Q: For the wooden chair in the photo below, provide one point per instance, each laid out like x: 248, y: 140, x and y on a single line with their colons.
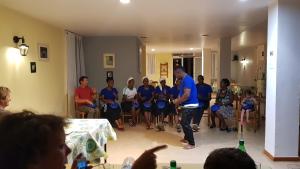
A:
x: 79, y: 114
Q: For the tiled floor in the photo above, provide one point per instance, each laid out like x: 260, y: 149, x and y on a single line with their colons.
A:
x: 134, y: 141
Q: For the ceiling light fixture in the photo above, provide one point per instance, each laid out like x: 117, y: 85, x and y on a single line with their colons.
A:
x: 125, y: 1
x: 153, y: 50
x: 22, y: 47
x: 191, y: 48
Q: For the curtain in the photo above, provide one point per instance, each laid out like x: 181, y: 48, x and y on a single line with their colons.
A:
x: 75, y: 67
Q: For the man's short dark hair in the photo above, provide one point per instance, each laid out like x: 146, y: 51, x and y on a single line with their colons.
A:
x: 109, y: 79
x: 82, y: 79
x: 179, y: 68
x: 229, y: 158
x: 201, y: 76
x: 226, y: 82
x: 25, y: 138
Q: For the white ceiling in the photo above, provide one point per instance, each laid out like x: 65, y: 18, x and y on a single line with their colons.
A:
x: 170, y: 25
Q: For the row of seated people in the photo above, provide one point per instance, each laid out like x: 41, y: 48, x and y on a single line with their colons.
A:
x: 157, y: 102
x: 153, y: 102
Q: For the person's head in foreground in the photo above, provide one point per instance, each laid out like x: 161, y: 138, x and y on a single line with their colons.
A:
x: 229, y: 158
x: 83, y: 81
x: 4, y: 97
x: 179, y: 72
x: 30, y: 141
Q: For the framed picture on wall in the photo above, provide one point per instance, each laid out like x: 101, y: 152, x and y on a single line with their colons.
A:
x: 164, y: 70
x: 43, y: 52
x: 108, y: 60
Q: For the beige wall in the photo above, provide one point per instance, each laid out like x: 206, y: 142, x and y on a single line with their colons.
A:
x: 163, y: 58
x: 44, y: 91
x: 248, y: 75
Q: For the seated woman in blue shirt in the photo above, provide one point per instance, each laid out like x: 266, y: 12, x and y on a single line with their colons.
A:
x: 174, y: 92
x: 146, y: 96
x: 223, y: 108
x: 162, y: 102
x: 112, y: 110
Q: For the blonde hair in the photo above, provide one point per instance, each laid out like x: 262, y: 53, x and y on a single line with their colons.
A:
x: 4, y: 91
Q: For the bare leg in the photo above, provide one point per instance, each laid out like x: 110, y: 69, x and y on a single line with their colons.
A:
x: 242, y: 116
x: 223, y: 123
x: 247, y: 115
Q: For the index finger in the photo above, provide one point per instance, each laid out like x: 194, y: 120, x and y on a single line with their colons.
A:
x: 158, y: 148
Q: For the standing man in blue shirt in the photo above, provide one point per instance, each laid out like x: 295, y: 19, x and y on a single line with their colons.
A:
x: 188, y: 102
x: 204, y: 96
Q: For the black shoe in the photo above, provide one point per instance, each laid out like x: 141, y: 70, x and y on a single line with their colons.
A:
x: 212, y: 126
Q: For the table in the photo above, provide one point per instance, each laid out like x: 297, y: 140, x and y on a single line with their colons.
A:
x: 159, y: 166
x: 89, y: 137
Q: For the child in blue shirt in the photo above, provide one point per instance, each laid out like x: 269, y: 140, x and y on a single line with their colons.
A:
x: 248, y: 105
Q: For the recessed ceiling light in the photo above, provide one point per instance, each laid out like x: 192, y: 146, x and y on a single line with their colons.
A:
x: 125, y: 1
x: 243, y: 0
x: 204, y: 35
x: 153, y: 50
x: 191, y: 48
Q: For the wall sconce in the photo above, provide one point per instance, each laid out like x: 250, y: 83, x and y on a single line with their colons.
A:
x: 22, y: 47
x: 244, y: 61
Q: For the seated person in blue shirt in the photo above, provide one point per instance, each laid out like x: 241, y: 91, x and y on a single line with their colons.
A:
x: 204, y: 96
x: 162, y: 102
x: 146, y: 96
x: 112, y: 110
x: 248, y: 105
x: 174, y: 91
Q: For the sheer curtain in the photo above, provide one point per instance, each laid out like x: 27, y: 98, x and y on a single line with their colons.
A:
x: 75, y: 67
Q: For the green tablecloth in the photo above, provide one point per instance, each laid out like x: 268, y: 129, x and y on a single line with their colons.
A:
x: 88, y: 136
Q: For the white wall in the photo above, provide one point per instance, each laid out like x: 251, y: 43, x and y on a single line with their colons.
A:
x: 283, y: 80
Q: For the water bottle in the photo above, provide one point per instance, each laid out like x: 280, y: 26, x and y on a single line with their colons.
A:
x: 127, y: 163
x: 173, y: 164
x: 242, y: 145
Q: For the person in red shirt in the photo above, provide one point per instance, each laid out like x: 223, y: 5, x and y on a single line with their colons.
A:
x: 85, y: 98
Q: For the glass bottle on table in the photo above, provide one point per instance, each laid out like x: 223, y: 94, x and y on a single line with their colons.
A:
x: 242, y: 145
x: 173, y: 164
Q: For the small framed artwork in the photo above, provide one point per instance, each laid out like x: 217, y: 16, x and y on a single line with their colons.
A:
x: 43, y: 52
x: 108, y: 60
x: 32, y: 67
x: 109, y: 74
x: 164, y: 70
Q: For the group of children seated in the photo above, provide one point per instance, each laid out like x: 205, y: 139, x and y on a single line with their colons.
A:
x: 156, y: 103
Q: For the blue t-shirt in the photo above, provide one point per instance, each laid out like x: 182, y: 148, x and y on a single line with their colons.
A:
x: 146, y: 92
x: 165, y: 91
x: 188, y: 83
x: 174, y: 91
x: 203, y: 90
x: 109, y: 94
